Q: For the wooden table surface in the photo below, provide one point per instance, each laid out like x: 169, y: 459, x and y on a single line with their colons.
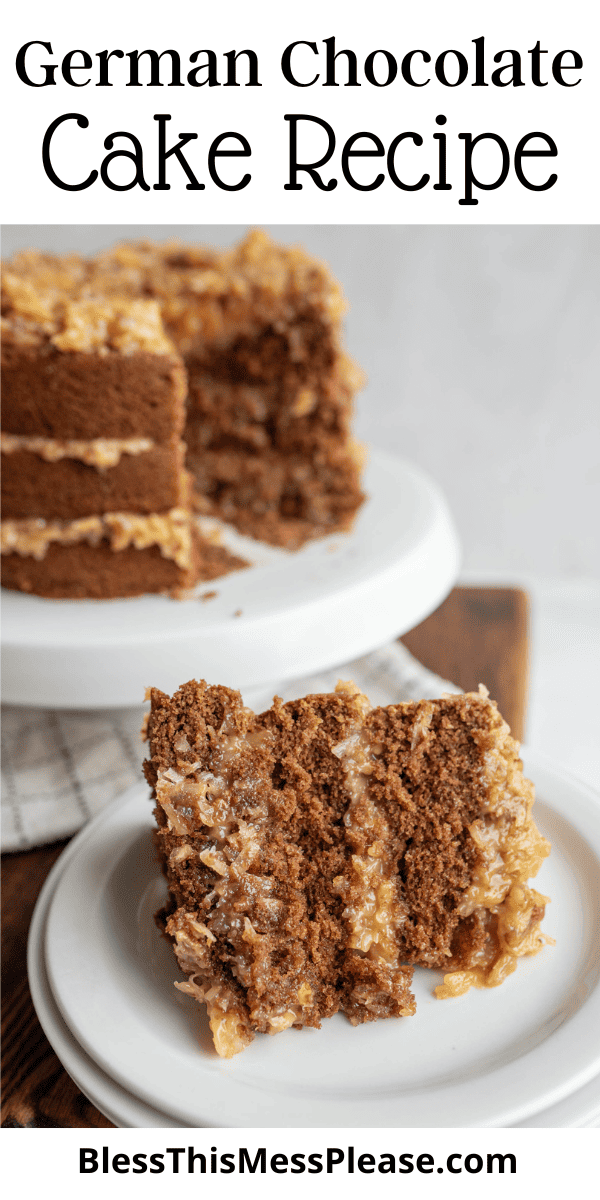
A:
x: 478, y: 635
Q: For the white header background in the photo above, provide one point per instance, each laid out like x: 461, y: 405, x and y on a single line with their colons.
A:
x: 567, y: 114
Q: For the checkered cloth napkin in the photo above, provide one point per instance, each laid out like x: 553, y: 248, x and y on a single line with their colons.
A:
x: 61, y: 768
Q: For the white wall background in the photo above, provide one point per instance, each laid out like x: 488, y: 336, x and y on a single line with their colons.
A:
x: 481, y: 350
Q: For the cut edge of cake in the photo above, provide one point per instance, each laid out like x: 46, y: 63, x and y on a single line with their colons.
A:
x: 272, y: 453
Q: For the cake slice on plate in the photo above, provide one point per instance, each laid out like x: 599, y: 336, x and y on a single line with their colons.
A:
x: 318, y: 852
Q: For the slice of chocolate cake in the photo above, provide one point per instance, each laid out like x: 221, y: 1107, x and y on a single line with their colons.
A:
x: 314, y: 854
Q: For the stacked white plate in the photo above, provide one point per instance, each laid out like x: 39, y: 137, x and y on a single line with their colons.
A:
x: 527, y: 1053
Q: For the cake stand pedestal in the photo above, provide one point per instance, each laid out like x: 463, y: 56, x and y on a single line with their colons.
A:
x: 288, y: 615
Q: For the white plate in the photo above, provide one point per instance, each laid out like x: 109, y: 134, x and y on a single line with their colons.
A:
x: 490, y: 1058
x: 336, y: 599
x: 580, y: 1109
x: 120, y: 1106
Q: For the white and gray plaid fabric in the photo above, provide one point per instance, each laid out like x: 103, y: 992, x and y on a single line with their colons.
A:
x: 59, y: 768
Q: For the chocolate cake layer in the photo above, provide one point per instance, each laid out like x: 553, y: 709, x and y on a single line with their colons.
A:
x: 59, y: 394
x: 145, y: 483
x: 317, y: 852
x: 79, y: 571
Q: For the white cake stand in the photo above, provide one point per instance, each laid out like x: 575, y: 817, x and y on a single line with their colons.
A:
x: 288, y: 615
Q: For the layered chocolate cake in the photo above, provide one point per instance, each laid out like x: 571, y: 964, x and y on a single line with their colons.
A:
x: 114, y: 365
x: 318, y: 852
